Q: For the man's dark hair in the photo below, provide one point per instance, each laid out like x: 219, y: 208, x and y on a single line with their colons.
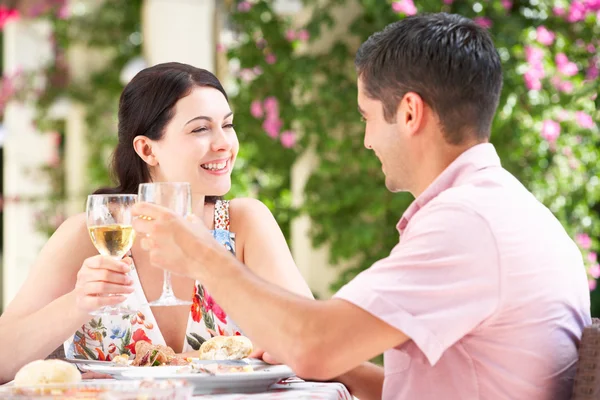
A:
x: 447, y: 59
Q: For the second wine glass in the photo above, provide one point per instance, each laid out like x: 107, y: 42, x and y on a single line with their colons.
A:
x: 176, y: 196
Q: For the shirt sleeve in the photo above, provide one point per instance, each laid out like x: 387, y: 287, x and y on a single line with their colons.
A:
x: 438, y: 284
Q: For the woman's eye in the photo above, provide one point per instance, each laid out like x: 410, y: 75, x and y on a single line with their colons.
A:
x: 199, y: 130
x: 228, y: 126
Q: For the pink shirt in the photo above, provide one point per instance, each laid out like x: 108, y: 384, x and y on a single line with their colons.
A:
x: 488, y: 286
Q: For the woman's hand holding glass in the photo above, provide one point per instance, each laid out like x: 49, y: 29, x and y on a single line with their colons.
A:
x: 109, y: 221
x: 102, y: 282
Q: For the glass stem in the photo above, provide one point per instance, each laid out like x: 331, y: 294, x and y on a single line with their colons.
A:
x: 167, y: 289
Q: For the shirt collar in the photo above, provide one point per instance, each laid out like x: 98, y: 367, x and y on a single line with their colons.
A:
x: 473, y: 159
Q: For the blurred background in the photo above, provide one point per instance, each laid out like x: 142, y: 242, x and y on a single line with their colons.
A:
x: 288, y: 68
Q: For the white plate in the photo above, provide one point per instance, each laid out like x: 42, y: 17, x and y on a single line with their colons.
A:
x: 116, y: 370
x: 239, y: 382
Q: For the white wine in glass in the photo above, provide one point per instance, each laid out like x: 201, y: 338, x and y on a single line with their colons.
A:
x: 176, y: 196
x: 109, y: 224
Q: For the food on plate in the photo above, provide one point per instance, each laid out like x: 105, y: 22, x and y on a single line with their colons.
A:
x: 155, y: 355
x: 44, y: 372
x: 121, y: 359
x: 225, y: 348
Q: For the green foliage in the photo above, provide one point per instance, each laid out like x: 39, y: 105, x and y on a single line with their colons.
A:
x: 345, y: 195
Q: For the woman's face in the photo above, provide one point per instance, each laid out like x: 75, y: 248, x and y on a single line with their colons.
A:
x: 199, y: 144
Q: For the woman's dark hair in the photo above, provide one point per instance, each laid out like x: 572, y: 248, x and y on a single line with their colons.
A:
x: 146, y: 106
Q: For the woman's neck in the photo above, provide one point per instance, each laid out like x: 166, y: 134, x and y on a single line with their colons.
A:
x: 198, y: 204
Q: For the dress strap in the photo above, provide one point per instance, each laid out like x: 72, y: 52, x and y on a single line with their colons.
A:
x: 222, y: 214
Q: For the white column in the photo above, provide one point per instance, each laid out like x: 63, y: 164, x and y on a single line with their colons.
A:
x: 26, y: 47
x: 179, y: 30
x: 76, y: 178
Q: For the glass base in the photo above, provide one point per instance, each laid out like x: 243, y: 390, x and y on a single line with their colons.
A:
x: 113, y: 310
x: 167, y: 300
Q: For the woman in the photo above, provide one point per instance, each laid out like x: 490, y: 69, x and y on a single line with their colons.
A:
x: 175, y: 124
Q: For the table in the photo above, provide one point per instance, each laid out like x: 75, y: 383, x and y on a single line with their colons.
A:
x: 292, y: 389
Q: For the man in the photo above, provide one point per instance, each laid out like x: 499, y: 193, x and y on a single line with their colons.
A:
x: 484, y: 297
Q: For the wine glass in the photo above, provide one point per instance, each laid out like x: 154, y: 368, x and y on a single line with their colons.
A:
x: 177, y: 196
x: 109, y: 224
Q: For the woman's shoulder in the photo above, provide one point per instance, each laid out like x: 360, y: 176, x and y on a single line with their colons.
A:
x: 246, y: 213
x: 245, y: 206
x: 74, y: 231
x: 75, y: 224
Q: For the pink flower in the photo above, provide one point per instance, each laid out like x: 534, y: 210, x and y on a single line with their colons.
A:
x: 507, y: 4
x: 591, y: 48
x: 63, y: 12
x: 406, y: 7
x: 533, y: 76
x: 271, y: 106
x: 272, y: 126
x: 550, y: 130
x: 271, y: 58
x: 567, y: 151
x: 577, y: 11
x: 532, y: 81
x: 583, y: 240
x: 533, y: 54
x: 257, y: 70
x: 219, y: 313
x: 209, y: 303
x: 584, y: 120
x: 595, y: 271
x: 559, y: 11
x: 592, y: 5
x: 562, y: 86
x: 256, y: 109
x: 290, y: 35
x: 593, y: 258
x: 288, y: 139
x: 484, y: 22
x: 244, y: 6
x: 569, y: 68
x: 303, y: 35
x: 544, y: 36
x: 6, y: 15
x: 592, y: 284
x: 220, y: 48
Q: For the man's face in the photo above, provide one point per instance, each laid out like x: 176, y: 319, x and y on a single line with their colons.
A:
x: 388, y: 141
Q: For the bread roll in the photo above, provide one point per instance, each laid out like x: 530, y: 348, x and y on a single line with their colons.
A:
x: 43, y: 372
x: 226, y: 348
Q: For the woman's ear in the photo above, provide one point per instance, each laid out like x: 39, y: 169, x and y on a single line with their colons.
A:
x: 143, y: 147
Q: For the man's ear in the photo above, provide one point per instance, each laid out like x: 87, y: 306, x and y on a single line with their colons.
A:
x: 411, y: 113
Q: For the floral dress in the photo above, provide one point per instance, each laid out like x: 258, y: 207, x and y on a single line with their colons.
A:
x: 103, y: 338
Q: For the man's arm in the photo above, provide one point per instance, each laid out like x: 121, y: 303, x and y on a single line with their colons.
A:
x: 318, y: 339
x: 364, y: 381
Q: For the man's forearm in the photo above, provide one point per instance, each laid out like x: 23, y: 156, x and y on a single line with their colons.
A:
x: 364, y: 382
x: 285, y: 323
